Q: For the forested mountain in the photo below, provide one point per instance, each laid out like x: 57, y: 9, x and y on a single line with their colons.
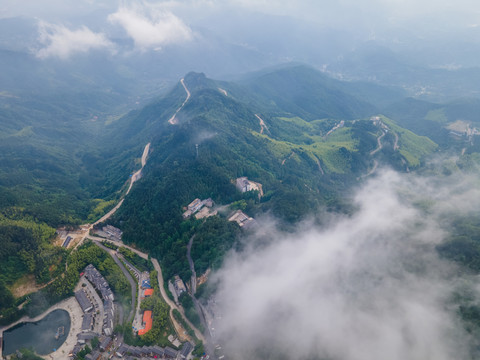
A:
x: 307, y: 138
x: 310, y: 140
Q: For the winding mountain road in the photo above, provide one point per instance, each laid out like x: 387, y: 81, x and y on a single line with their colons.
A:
x: 193, y: 280
x: 379, y: 142
x: 262, y: 124
x: 133, y: 283
x: 165, y: 297
x: 173, y: 119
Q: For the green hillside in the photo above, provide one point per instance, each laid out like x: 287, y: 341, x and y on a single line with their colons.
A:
x: 304, y: 165
x: 308, y: 144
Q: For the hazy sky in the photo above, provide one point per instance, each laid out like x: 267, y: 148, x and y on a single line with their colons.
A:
x: 68, y: 27
x: 342, y: 13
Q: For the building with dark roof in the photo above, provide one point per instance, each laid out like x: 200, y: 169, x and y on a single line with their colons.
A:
x: 170, y: 353
x: 82, y: 338
x: 157, y: 351
x: 99, y: 282
x: 83, y: 301
x: 67, y: 242
x: 185, y: 350
x: 106, y: 343
x: 122, y: 350
x: 87, y: 322
x: 76, y: 349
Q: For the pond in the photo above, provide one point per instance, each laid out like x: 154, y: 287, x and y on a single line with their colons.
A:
x: 43, y: 336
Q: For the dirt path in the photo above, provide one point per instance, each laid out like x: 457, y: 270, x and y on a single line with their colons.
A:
x: 288, y: 157
x: 379, y: 142
x: 317, y: 160
x: 395, y: 144
x: 173, y: 119
x: 262, y: 124
x: 338, y: 126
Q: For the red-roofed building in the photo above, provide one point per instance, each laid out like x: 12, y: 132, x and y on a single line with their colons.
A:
x: 148, y: 321
x: 148, y: 292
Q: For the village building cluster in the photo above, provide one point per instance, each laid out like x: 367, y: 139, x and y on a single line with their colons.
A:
x: 153, y: 352
x: 98, y: 311
x: 200, y: 208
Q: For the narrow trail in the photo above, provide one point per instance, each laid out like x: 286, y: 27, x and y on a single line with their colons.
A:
x: 173, y: 119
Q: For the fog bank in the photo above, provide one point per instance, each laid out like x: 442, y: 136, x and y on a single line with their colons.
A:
x: 369, y: 286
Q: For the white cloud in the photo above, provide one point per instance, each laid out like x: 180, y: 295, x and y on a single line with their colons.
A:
x: 61, y: 42
x: 365, y: 287
x: 151, y: 27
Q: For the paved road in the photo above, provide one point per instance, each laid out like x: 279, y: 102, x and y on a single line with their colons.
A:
x: 172, y: 305
x: 262, y: 124
x: 135, y: 177
x: 395, y: 145
x: 169, y: 302
x: 133, y: 284
x: 379, y: 142
x: 209, y: 347
x: 193, y: 279
x: 173, y: 119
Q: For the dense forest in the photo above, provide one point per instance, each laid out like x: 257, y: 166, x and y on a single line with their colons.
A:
x: 303, y: 165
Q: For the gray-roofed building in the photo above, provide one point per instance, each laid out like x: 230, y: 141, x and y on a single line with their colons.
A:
x: 105, y: 343
x: 157, y: 351
x: 99, y: 282
x: 170, y: 353
x: 186, y: 349
x: 83, y: 301
x: 122, y: 350
x: 95, y: 355
x: 86, y: 336
x: 87, y: 322
x: 67, y: 242
x: 76, y: 349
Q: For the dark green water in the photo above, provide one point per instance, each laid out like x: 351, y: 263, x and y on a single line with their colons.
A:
x: 39, y: 335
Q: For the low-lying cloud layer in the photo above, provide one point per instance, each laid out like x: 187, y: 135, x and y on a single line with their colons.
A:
x: 366, y: 287
x: 61, y: 42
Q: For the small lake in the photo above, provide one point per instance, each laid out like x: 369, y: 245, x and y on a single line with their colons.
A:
x: 40, y: 335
